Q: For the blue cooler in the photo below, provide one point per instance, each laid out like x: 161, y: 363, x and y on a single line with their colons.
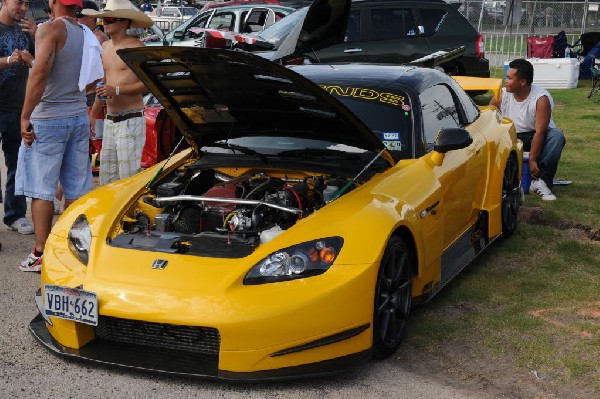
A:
x: 526, y: 174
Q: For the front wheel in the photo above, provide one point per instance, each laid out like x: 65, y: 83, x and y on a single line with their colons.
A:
x: 393, y: 296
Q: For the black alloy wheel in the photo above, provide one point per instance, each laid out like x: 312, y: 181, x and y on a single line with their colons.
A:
x: 511, y: 196
x: 393, y: 296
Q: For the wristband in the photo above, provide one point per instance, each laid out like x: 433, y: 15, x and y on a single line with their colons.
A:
x: 8, y: 60
x: 117, y: 90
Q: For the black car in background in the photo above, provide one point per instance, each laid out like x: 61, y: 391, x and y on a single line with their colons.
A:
x: 380, y: 31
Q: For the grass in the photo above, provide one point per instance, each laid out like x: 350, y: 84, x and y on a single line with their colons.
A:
x: 551, y: 265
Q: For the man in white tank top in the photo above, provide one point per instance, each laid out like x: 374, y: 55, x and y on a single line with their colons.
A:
x: 530, y: 108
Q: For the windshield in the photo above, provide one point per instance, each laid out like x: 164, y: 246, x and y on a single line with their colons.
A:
x: 387, y: 113
x: 275, y: 33
x: 280, y: 144
x: 196, y: 22
x: 189, y: 11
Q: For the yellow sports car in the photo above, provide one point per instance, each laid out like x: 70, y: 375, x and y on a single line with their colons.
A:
x: 315, y: 206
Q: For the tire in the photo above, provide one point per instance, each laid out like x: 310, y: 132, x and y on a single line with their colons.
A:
x: 511, y: 196
x: 393, y: 297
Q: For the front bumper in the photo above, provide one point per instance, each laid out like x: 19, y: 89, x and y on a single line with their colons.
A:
x: 173, y: 361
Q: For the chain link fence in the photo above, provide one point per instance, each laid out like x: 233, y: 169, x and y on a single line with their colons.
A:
x: 506, y: 25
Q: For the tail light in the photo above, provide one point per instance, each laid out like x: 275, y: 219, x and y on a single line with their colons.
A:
x: 294, y: 61
x: 480, y: 47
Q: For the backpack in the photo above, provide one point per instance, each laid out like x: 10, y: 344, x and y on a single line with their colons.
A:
x: 540, y: 47
x: 560, y: 45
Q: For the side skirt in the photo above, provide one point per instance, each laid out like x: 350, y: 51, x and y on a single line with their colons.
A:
x: 461, y: 254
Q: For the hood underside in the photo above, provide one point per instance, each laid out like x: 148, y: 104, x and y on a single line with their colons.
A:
x: 215, y: 95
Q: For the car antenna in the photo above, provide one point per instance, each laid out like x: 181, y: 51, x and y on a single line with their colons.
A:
x: 350, y: 182
x: 151, y: 182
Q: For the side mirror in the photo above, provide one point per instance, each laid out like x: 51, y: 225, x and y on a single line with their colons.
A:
x: 452, y: 139
x: 178, y: 35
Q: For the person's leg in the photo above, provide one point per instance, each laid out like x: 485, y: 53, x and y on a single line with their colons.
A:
x: 108, y: 156
x: 42, y: 212
x: 130, y: 139
x: 76, y: 171
x: 15, y: 206
x: 550, y: 156
x: 37, y: 177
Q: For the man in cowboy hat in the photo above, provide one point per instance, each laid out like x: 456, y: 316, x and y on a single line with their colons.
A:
x: 125, y: 125
x: 54, y: 124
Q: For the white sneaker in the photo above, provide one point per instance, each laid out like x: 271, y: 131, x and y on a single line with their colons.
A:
x: 57, y: 206
x: 539, y: 187
x: 32, y: 263
x: 22, y: 225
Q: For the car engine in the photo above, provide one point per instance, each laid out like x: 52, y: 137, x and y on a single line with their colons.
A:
x: 189, y: 210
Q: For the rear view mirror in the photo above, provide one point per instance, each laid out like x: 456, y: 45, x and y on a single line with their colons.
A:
x: 452, y: 139
x: 178, y: 35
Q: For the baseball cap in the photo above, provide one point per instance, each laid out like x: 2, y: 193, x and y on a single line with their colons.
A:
x: 71, y: 3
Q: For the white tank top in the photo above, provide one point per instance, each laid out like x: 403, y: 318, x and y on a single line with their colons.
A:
x: 523, y: 113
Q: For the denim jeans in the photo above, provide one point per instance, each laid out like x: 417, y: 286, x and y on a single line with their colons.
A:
x: 15, y: 206
x: 550, y: 155
x: 60, y: 152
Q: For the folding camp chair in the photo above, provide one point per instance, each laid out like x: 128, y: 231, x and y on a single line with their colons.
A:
x: 595, y: 91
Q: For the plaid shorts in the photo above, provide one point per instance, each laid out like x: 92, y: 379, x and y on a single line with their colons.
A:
x: 122, y: 146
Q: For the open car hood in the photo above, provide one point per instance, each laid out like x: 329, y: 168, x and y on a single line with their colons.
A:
x: 214, y: 94
x: 323, y: 25
x: 439, y: 57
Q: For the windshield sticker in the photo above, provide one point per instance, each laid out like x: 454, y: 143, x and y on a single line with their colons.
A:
x: 391, y: 136
x: 365, y: 94
x: 393, y: 145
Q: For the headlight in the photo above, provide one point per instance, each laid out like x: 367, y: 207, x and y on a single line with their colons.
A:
x: 300, y: 261
x: 80, y: 238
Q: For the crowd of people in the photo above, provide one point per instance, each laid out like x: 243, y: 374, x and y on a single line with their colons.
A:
x: 45, y: 118
x: 46, y: 121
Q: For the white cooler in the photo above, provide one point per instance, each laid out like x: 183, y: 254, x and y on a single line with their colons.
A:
x: 554, y: 73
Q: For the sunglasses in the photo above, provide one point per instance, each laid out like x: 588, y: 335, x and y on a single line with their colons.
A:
x: 109, y: 20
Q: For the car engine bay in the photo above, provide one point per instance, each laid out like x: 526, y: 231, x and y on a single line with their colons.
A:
x: 210, y: 213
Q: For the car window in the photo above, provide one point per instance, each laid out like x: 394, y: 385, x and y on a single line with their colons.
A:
x: 432, y: 20
x: 392, y: 23
x: 438, y: 111
x: 189, y: 11
x: 225, y: 21
x: 170, y: 12
x: 386, y: 112
x: 353, y: 29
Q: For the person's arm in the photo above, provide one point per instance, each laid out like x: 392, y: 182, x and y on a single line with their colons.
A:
x: 45, y: 41
x: 128, y: 89
x: 10, y: 60
x: 96, y: 108
x: 496, y: 102
x: 543, y: 112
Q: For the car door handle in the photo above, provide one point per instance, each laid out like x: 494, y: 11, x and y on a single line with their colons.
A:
x: 353, y: 50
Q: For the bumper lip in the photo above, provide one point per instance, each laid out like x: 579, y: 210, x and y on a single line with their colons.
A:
x: 184, y: 364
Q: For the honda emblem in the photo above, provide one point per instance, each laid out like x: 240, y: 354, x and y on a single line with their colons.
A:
x: 159, y: 264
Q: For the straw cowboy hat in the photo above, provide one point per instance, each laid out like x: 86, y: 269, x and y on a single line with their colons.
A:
x: 121, y: 9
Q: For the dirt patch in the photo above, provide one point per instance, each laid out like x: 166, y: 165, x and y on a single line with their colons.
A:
x: 471, y: 368
x: 536, y: 215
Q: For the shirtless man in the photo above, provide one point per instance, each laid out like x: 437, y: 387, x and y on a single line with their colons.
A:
x: 125, y: 125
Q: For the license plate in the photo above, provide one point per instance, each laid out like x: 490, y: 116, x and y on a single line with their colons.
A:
x: 71, y: 304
